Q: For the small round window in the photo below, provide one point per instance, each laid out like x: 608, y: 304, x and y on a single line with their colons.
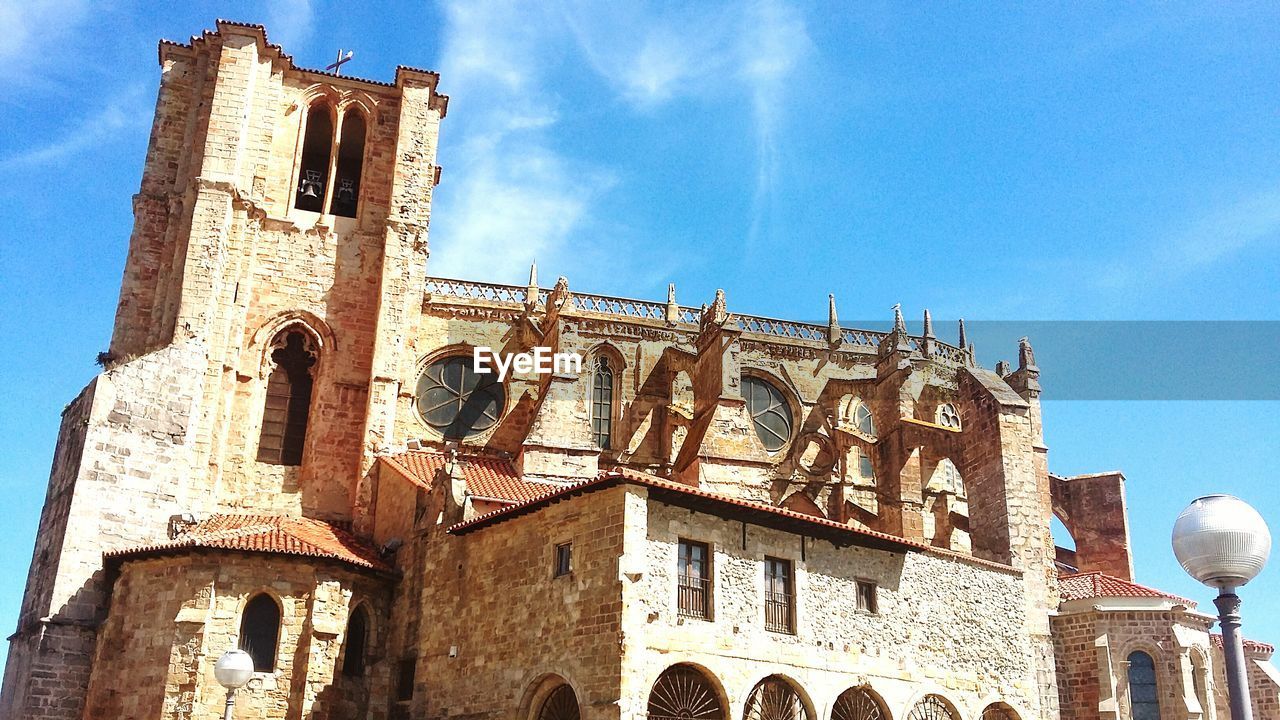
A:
x: 456, y: 400
x: 769, y: 411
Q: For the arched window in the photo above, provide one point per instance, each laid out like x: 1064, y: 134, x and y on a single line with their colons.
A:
x: 284, y: 419
x: 1144, y: 697
x: 357, y: 642
x: 316, y: 146
x: 857, y: 704
x: 1199, y: 683
x: 932, y: 707
x: 999, y: 711
x: 948, y: 416
x: 260, y: 631
x: 773, y: 698
x: 346, y: 191
x: 602, y: 402
x: 683, y: 692
x: 769, y: 411
x: 560, y: 704
x: 859, y: 415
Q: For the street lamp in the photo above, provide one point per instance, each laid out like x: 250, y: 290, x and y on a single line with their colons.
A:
x: 233, y: 671
x: 1223, y: 542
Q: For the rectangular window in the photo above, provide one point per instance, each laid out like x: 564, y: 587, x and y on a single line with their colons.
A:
x: 693, y: 578
x: 564, y: 559
x: 867, y: 600
x: 405, y: 678
x: 779, y: 596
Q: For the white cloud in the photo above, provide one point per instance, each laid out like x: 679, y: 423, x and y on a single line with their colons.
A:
x: 509, y: 196
x: 289, y: 23
x: 125, y: 111
x: 33, y: 31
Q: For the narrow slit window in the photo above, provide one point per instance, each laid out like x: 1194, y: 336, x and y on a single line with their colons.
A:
x: 564, y: 559
x: 602, y: 403
x: 346, y: 189
x: 288, y: 403
x: 313, y: 173
x: 260, y: 632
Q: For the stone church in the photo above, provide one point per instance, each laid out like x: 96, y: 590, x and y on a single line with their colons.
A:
x: 715, y: 516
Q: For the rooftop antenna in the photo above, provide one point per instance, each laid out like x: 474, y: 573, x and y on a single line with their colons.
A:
x: 336, y: 65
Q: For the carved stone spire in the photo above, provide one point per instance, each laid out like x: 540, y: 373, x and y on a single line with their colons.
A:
x: 673, y: 310
x: 897, y: 342
x: 928, y: 344
x: 928, y: 324
x: 531, y: 291
x: 899, y: 325
x: 1026, y: 356
x: 964, y: 340
x: 834, y: 335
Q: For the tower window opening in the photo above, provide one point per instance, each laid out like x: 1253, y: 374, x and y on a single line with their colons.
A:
x: 316, y: 146
x: 288, y: 404
x: 346, y: 192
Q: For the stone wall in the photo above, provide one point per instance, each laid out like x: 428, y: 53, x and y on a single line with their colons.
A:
x: 942, y: 623
x: 497, y: 624
x: 1092, y: 648
x: 171, y: 617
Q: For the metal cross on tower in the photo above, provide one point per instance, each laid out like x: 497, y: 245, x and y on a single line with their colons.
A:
x: 336, y: 65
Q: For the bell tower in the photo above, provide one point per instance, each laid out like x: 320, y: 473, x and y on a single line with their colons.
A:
x: 275, y: 268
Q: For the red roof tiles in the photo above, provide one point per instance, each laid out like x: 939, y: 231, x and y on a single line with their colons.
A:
x: 752, y: 511
x: 1254, y: 645
x: 268, y: 534
x: 1083, y: 586
x: 487, y: 478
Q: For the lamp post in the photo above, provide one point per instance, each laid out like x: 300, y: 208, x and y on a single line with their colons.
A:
x: 233, y: 671
x: 1223, y: 542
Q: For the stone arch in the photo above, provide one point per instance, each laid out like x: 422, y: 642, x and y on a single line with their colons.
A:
x: 357, y: 640
x: 264, y: 610
x: 778, y: 697
x: 687, y: 691
x: 931, y: 704
x: 999, y: 710
x: 309, y: 323
x: 800, y: 502
x: 546, y: 698
x: 860, y: 703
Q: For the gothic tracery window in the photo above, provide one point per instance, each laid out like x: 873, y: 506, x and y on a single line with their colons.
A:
x: 288, y: 402
x: 456, y: 400
x: 769, y: 410
x: 948, y: 416
x: 602, y: 389
x: 260, y: 631
x: 683, y: 692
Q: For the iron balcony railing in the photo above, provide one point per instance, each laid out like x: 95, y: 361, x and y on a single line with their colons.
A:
x: 693, y: 597
x: 777, y: 611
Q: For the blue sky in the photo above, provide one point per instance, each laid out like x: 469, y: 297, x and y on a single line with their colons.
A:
x: 1001, y: 162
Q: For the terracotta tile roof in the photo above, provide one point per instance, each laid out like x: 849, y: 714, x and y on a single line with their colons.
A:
x: 268, y: 534
x: 1254, y: 645
x: 685, y: 495
x: 488, y: 478
x: 1083, y: 586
